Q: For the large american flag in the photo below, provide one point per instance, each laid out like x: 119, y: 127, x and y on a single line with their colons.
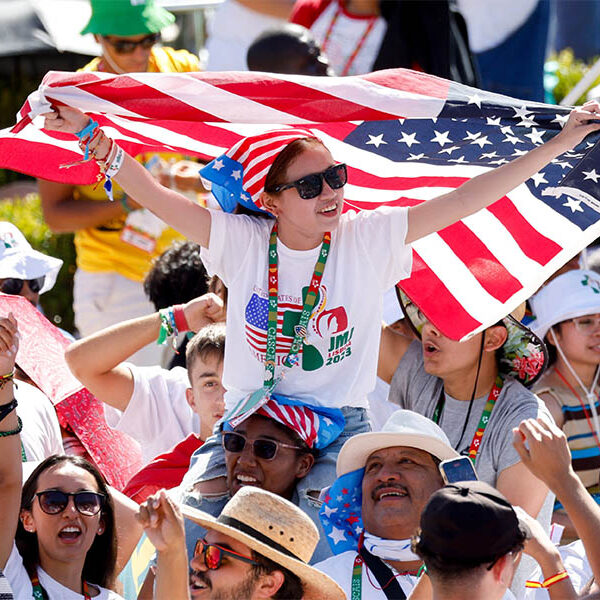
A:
x: 405, y: 136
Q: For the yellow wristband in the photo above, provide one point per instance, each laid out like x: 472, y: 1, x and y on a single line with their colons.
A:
x: 549, y: 581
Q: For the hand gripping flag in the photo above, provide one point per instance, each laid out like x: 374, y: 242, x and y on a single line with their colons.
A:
x: 406, y: 137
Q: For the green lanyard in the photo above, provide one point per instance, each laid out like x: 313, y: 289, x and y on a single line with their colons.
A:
x: 483, y: 421
x: 356, y: 586
x: 300, y: 330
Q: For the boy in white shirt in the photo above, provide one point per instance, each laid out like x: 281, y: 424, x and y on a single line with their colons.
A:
x: 158, y: 407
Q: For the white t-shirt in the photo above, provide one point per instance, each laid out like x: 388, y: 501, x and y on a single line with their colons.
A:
x: 380, y: 409
x: 158, y: 415
x: 338, y: 361
x: 339, y: 568
x: 231, y: 32
x: 41, y: 436
x: 19, y: 580
x: 348, y: 32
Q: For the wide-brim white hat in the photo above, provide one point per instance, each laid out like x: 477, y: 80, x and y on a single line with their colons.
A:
x: 403, y: 428
x: 573, y: 294
x: 275, y: 528
x: 20, y: 261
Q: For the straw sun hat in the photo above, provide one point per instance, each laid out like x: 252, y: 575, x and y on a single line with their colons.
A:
x: 275, y: 528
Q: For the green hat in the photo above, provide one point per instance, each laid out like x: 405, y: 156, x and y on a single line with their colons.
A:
x: 127, y: 17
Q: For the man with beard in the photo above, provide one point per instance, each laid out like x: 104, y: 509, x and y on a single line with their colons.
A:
x: 258, y: 547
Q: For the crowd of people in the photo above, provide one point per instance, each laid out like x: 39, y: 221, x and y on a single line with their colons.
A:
x: 250, y: 392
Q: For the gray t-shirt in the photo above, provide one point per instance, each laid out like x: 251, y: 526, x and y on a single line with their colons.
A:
x: 414, y: 389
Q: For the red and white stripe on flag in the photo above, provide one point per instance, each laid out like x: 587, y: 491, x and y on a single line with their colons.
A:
x: 464, y: 278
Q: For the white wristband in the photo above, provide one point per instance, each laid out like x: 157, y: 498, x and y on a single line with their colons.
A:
x: 116, y: 163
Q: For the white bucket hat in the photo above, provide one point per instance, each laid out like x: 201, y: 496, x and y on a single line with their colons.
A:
x: 19, y: 260
x: 403, y: 428
x: 275, y: 528
x: 572, y: 294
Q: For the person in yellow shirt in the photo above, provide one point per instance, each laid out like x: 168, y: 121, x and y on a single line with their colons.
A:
x: 116, y: 241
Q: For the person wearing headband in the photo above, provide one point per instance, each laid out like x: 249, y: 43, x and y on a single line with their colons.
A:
x: 116, y: 242
x: 306, y: 282
x: 567, y: 316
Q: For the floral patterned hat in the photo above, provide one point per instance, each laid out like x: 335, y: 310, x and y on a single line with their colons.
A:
x: 522, y: 357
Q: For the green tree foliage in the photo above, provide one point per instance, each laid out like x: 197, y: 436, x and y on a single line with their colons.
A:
x: 26, y: 214
x: 568, y: 71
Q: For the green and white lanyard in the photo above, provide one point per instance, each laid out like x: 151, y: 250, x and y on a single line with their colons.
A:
x: 300, y: 330
x: 483, y: 421
x: 249, y: 404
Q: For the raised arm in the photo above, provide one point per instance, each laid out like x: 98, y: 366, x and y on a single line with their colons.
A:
x: 522, y: 488
x: 10, y: 444
x: 392, y: 347
x: 163, y: 524
x: 128, y: 528
x: 545, y: 452
x: 541, y: 548
x: 96, y: 360
x: 483, y: 190
x: 181, y: 213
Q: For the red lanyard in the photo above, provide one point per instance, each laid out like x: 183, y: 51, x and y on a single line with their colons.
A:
x: 585, y: 412
x: 359, y: 46
x: 40, y: 594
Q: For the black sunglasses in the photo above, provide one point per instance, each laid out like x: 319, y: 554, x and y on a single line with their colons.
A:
x: 53, y: 502
x: 310, y: 186
x: 213, y: 555
x: 125, y: 46
x: 14, y: 286
x: 264, y: 449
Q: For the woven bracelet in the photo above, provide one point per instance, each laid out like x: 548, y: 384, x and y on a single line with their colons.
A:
x: 13, y: 431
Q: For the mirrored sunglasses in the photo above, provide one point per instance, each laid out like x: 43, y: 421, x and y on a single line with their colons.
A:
x: 213, y: 555
x: 264, y: 449
x: 14, y: 286
x: 310, y: 186
x: 125, y: 46
x: 53, y: 502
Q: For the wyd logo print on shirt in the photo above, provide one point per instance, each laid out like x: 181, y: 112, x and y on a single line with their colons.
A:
x: 328, y: 340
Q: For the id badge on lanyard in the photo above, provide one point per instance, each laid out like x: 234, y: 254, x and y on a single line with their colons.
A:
x: 142, y: 230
